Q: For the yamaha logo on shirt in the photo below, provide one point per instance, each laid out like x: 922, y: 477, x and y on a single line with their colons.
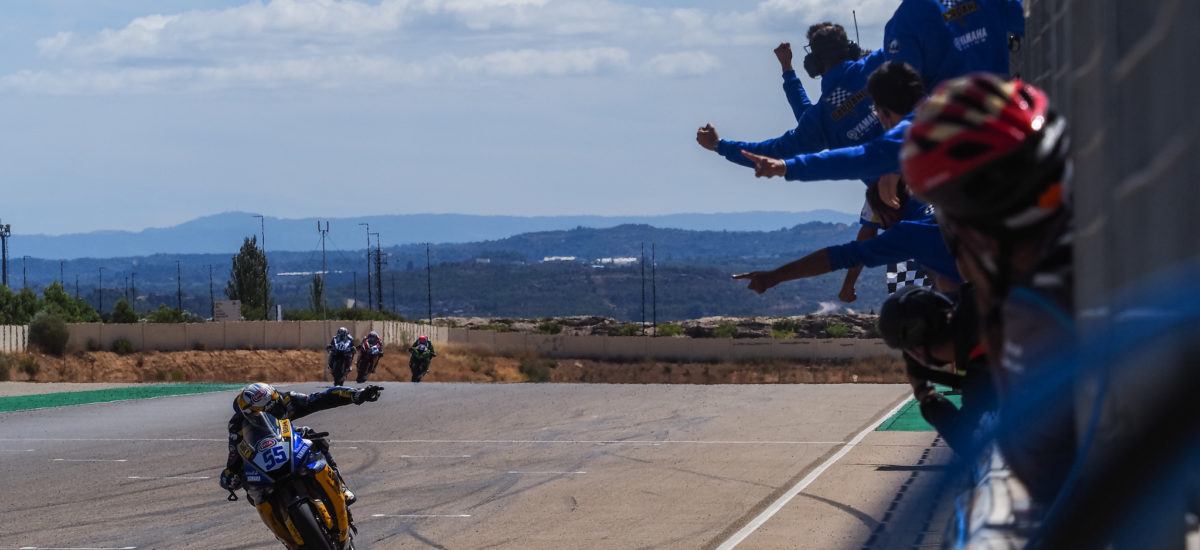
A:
x: 894, y: 47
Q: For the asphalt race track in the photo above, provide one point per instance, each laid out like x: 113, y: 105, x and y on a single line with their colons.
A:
x: 467, y: 466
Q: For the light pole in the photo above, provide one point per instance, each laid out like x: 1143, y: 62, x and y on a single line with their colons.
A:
x: 369, y: 304
x: 263, y: 224
x: 100, y: 289
x: 24, y: 259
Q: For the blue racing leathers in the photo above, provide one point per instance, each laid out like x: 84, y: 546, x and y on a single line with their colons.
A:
x: 915, y: 237
x: 842, y: 117
x: 868, y: 161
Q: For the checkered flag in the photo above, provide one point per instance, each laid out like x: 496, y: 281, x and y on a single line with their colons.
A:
x: 838, y: 96
x: 906, y: 274
x: 948, y: 3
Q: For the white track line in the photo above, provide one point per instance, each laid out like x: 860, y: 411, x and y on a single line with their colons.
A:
x: 435, y: 456
x: 74, y: 548
x: 782, y: 501
x: 535, y: 472
x: 16, y: 450
x: 420, y: 515
x: 168, y: 477
x: 90, y: 460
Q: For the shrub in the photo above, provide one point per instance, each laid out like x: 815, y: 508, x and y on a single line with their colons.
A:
x: 781, y: 334
x: 49, y: 332
x: 177, y: 376
x: 725, y: 329
x: 549, y: 326
x: 29, y: 366
x: 5, y: 367
x: 497, y: 327
x: 670, y: 329
x: 122, y: 346
x: 837, y: 330
x: 92, y: 345
x: 536, y: 369
x: 160, y: 375
x: 123, y: 312
x: 629, y: 329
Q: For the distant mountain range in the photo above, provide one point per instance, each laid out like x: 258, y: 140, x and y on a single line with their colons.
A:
x: 577, y: 271
x: 223, y: 233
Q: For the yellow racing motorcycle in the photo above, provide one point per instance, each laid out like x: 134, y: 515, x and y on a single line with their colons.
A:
x: 289, y: 480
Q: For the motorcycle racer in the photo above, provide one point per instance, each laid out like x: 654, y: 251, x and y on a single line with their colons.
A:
x: 261, y: 397
x: 420, y: 355
x: 370, y: 351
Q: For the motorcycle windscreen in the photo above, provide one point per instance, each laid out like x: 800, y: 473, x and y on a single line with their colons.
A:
x: 271, y: 450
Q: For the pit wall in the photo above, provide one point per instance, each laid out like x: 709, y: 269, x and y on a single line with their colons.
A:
x: 316, y: 334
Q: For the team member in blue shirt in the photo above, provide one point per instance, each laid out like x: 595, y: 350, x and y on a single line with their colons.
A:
x: 909, y: 232
x: 944, y: 39
x: 841, y: 117
x: 895, y: 89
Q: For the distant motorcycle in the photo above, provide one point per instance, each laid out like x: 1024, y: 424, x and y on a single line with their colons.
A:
x: 297, y: 493
x: 418, y: 362
x: 368, y: 359
x: 341, y: 356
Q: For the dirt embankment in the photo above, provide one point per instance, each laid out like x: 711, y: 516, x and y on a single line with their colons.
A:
x: 453, y: 364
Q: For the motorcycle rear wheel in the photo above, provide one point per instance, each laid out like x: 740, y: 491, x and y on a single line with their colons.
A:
x: 306, y: 523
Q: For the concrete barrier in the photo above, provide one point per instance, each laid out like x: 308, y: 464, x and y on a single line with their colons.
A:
x: 14, y: 338
x: 316, y: 334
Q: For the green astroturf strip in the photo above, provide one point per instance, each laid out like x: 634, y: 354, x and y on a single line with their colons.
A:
x: 909, y: 419
x: 40, y: 401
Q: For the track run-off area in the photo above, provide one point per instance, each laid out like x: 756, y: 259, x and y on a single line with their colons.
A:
x: 464, y: 466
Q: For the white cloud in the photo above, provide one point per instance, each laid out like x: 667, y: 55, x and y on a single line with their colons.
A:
x: 683, y: 63
x: 535, y: 62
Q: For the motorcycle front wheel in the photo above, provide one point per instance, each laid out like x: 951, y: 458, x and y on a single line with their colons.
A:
x: 306, y: 524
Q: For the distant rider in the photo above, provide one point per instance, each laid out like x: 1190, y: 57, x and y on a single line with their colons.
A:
x: 344, y: 338
x: 370, y: 352
x: 259, y: 397
x: 420, y: 354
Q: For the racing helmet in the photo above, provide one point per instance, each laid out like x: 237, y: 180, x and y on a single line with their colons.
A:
x: 373, y: 333
x: 342, y: 333
x: 987, y: 152
x: 915, y: 317
x: 255, y: 398
x: 422, y: 338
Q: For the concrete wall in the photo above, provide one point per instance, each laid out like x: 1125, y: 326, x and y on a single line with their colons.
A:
x: 316, y: 334
x: 677, y: 349
x: 234, y: 335
x: 14, y: 338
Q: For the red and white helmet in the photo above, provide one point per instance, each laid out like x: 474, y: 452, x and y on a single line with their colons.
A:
x: 987, y: 153
x: 422, y: 338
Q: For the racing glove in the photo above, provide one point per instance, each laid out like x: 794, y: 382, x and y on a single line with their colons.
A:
x: 231, y: 480
x: 369, y: 393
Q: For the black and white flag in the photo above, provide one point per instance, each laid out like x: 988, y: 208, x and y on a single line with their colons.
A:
x: 906, y: 274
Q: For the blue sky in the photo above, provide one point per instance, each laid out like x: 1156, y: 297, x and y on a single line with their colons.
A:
x: 132, y: 114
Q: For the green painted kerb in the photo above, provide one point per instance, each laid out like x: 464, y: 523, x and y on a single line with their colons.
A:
x: 40, y: 401
x: 909, y: 419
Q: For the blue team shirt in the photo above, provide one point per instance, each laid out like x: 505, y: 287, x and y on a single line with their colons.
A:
x: 949, y: 38
x: 868, y: 161
x: 915, y: 237
x: 840, y: 118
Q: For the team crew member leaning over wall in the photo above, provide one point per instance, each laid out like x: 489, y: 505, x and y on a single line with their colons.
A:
x: 910, y: 232
x: 935, y: 333
x: 991, y: 156
x: 841, y: 117
x: 895, y: 89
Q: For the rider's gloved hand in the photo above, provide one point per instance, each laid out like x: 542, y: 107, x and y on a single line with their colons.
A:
x: 231, y: 480
x: 369, y: 393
